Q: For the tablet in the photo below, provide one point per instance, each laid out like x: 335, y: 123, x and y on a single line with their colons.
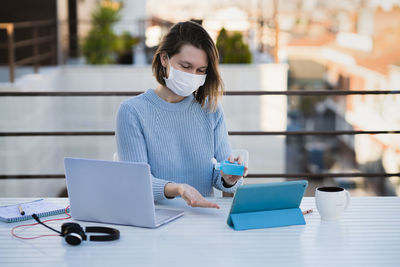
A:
x: 262, y: 198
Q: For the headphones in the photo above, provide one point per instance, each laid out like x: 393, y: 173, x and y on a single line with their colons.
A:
x: 73, y: 233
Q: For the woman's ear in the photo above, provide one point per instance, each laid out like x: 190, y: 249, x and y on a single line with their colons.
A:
x: 164, y: 59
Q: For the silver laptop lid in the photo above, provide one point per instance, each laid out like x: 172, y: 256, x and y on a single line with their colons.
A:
x: 110, y: 191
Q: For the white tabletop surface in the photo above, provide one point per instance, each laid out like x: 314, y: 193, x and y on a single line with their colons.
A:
x: 367, y: 235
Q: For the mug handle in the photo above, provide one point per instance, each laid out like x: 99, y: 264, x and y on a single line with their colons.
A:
x: 347, y: 199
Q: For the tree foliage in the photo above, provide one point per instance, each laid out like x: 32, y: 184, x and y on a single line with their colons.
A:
x: 99, y: 45
x: 232, y: 49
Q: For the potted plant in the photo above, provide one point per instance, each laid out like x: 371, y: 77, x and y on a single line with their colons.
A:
x: 99, y: 45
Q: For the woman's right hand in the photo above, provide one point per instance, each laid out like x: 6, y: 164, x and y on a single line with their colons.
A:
x: 192, y: 197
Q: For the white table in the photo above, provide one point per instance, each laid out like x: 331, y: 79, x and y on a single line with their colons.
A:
x: 367, y: 235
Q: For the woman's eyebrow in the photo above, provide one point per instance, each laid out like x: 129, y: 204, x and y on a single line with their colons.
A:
x: 187, y: 62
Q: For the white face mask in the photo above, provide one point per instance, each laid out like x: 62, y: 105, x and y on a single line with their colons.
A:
x: 183, y: 83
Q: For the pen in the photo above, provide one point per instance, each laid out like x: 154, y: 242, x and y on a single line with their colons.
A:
x: 21, y: 210
x: 307, y: 211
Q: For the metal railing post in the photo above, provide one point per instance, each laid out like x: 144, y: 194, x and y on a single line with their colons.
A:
x: 35, y: 48
x: 11, y: 51
x: 53, y: 43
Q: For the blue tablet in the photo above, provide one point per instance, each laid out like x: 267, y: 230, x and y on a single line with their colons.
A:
x: 267, y: 205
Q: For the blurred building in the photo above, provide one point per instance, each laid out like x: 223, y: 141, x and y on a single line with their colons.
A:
x: 360, y: 51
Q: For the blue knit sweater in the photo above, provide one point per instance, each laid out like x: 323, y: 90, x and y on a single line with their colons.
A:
x: 177, y: 140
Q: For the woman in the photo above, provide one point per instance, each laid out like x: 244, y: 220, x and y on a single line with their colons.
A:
x: 179, y: 127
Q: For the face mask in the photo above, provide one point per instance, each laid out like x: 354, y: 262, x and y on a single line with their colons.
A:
x: 183, y: 83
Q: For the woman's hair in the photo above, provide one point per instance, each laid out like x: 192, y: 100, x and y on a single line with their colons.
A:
x: 194, y: 34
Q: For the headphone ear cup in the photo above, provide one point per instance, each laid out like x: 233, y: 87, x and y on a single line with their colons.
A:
x: 73, y: 233
x: 73, y: 239
x: 66, y: 227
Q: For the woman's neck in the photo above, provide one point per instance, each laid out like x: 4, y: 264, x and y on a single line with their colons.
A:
x: 168, y: 95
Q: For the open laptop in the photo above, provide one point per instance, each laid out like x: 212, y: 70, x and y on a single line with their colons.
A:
x: 113, y: 192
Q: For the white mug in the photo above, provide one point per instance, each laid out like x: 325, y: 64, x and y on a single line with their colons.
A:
x: 331, y: 201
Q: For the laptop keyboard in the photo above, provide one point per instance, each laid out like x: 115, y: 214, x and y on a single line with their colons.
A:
x: 162, y: 215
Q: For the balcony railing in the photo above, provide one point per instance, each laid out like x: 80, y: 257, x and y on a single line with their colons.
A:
x: 35, y: 42
x: 232, y: 133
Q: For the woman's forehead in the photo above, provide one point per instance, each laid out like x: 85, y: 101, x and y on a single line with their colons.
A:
x: 193, y: 55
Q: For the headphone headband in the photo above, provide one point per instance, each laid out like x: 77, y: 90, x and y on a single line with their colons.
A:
x: 111, y: 233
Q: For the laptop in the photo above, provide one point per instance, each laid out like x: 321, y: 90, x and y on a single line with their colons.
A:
x: 114, y: 192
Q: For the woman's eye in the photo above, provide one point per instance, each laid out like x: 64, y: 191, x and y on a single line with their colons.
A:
x: 185, y: 67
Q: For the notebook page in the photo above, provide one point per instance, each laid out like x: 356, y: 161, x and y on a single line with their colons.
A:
x: 40, y: 207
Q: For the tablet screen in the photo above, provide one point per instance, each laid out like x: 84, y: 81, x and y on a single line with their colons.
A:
x: 269, y: 196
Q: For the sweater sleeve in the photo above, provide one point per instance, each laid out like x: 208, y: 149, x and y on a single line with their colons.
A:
x: 131, y: 145
x: 222, y: 151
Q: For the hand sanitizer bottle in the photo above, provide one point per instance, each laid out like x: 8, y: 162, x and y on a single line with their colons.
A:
x: 228, y: 167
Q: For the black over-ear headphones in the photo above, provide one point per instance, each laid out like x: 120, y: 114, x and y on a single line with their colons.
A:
x: 74, y: 233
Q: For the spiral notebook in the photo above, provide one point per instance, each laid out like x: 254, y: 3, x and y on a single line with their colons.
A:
x: 40, y: 207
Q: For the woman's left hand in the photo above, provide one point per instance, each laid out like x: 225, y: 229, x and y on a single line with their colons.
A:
x: 231, y: 180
